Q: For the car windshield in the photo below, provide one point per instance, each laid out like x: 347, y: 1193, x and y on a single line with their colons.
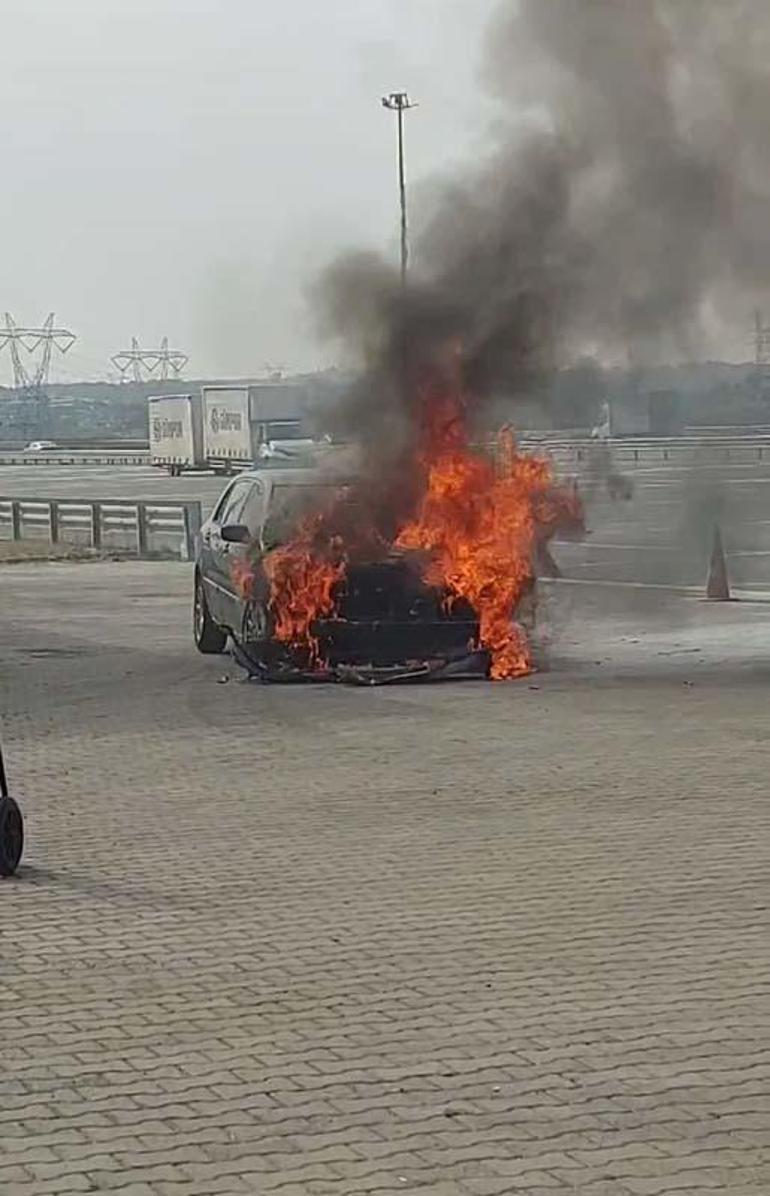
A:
x: 289, y: 504
x: 286, y: 431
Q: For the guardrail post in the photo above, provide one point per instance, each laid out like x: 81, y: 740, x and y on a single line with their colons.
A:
x: 53, y: 522
x: 141, y: 530
x: 15, y: 519
x: 184, y: 548
x: 191, y: 514
x: 96, y: 525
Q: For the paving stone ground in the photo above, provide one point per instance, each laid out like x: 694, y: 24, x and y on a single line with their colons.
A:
x: 458, y: 941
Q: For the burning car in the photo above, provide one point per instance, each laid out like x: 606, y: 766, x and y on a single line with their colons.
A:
x: 378, y: 618
x: 419, y: 573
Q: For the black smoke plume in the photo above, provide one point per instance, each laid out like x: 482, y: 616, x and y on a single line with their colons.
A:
x: 621, y: 213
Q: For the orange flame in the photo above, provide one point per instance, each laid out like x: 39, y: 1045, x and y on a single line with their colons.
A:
x: 303, y: 575
x: 479, y: 530
x: 480, y: 524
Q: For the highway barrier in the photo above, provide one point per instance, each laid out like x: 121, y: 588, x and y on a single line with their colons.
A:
x: 77, y: 457
x: 630, y: 452
x: 566, y: 451
x: 141, y: 529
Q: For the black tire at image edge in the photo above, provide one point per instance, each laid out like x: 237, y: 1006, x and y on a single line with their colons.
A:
x: 11, y: 836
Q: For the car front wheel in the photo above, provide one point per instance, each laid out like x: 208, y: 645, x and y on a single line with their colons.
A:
x: 209, y: 638
x: 255, y: 637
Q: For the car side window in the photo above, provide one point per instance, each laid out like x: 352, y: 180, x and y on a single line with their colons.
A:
x: 223, y: 501
x: 253, y: 512
x: 230, y: 510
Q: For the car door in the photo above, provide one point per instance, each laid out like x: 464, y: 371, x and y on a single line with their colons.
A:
x: 251, y: 516
x: 205, y: 552
x: 250, y: 513
x: 218, y: 553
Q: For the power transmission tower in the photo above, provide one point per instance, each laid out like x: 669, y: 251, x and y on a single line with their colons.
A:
x: 30, y: 383
x: 156, y: 363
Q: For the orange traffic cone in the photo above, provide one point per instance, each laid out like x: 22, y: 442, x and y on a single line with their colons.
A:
x: 717, y: 584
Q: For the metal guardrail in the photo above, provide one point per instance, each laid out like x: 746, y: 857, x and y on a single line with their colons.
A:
x: 78, y: 457
x: 679, y: 450
x: 682, y: 450
x: 143, y: 529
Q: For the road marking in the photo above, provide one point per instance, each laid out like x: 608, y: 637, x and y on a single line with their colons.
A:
x: 752, y: 595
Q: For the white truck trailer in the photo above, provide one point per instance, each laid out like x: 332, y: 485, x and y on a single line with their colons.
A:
x: 176, y: 432
x: 248, y: 424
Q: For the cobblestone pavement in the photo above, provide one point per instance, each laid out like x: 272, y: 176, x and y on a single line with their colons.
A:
x: 457, y: 941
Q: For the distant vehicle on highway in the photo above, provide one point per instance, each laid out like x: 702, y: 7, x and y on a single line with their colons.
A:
x: 176, y: 432
x: 227, y: 428
x: 40, y: 446
x: 385, y: 618
x: 245, y: 424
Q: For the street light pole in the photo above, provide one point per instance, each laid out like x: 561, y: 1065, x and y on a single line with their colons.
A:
x: 399, y: 102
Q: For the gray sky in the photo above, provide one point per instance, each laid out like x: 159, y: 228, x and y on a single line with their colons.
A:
x: 183, y: 167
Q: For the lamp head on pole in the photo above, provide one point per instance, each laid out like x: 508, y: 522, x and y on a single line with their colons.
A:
x: 397, y: 101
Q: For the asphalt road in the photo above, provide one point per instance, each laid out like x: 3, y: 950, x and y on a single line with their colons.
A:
x: 92, y: 482
x: 457, y: 940
x: 661, y: 535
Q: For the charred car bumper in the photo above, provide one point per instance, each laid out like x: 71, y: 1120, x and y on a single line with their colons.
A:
x: 376, y: 653
x: 387, y: 627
